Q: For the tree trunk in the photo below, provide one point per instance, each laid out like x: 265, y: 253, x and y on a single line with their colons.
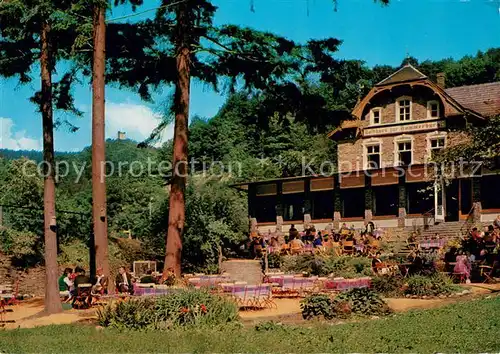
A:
x: 52, y: 301
x: 99, y: 215
x: 176, y: 213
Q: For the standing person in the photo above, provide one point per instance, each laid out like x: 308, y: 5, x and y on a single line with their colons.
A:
x: 124, y: 281
x: 463, y: 266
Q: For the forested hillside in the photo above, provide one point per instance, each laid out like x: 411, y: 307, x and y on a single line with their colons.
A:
x: 262, y: 134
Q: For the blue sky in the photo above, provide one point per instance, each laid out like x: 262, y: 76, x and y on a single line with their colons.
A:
x: 426, y: 29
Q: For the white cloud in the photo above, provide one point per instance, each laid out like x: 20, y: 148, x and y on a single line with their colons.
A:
x: 137, y: 120
x: 16, y: 140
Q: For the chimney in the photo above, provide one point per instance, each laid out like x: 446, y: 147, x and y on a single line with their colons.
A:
x: 441, y: 80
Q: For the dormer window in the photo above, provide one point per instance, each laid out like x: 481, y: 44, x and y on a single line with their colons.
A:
x: 404, y: 109
x: 376, y: 116
x: 432, y: 109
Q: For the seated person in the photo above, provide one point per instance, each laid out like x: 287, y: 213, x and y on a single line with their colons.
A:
x: 148, y: 278
x: 412, y: 240
x: 328, y: 242
x: 257, y: 246
x: 101, y: 284
x: 274, y: 242
x: 318, y: 241
x: 296, y: 244
x: 417, y: 264
x: 344, y: 230
x: 81, y: 277
x: 124, y: 281
x: 78, y: 292
x: 376, y: 262
x: 65, y: 284
x: 336, y: 238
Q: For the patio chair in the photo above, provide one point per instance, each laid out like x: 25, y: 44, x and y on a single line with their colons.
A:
x: 296, y: 249
x: 265, y: 297
x: 348, y: 247
x: 83, y: 298
x: 10, y: 293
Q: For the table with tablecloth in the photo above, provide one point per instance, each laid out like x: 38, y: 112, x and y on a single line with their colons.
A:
x: 432, y: 243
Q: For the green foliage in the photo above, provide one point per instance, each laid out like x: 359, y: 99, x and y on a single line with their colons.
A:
x: 360, y: 301
x: 23, y: 246
x: 317, y: 305
x: 195, y: 308
x: 364, y: 301
x: 435, y: 285
x: 482, y: 145
x: 343, y: 266
x: 274, y: 260
x: 388, y: 285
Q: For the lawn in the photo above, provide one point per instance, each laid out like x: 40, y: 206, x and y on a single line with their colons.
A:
x: 471, y: 326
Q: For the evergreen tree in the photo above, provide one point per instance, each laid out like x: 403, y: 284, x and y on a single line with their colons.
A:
x: 36, y: 33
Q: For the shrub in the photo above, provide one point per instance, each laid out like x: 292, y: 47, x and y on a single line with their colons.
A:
x: 343, y: 266
x: 274, y: 260
x: 356, y: 301
x: 388, y: 285
x: 23, y: 246
x: 183, y: 308
x: 364, y: 301
x: 317, y: 305
x: 437, y: 284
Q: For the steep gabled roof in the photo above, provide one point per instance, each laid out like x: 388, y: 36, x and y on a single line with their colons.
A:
x: 483, y: 98
x: 406, y: 73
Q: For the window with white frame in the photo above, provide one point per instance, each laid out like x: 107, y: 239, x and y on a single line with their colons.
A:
x: 404, y: 152
x: 433, y: 109
x: 373, y: 156
x: 376, y: 116
x: 436, y: 145
x: 404, y: 109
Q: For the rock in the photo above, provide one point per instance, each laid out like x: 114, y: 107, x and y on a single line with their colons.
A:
x: 424, y: 297
x: 442, y: 296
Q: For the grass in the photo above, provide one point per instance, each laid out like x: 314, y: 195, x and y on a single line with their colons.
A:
x: 471, y: 326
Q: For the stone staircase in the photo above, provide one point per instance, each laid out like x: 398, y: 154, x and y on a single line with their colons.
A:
x: 446, y: 230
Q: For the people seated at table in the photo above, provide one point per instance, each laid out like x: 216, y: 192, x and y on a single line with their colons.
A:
x: 101, y: 284
x: 123, y: 281
x: 318, y: 241
x: 463, y: 266
x: 148, y: 278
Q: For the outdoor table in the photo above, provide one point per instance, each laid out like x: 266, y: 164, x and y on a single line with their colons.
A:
x: 432, y: 243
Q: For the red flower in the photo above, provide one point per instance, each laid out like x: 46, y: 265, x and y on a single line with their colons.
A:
x: 184, y: 310
x: 203, y: 308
